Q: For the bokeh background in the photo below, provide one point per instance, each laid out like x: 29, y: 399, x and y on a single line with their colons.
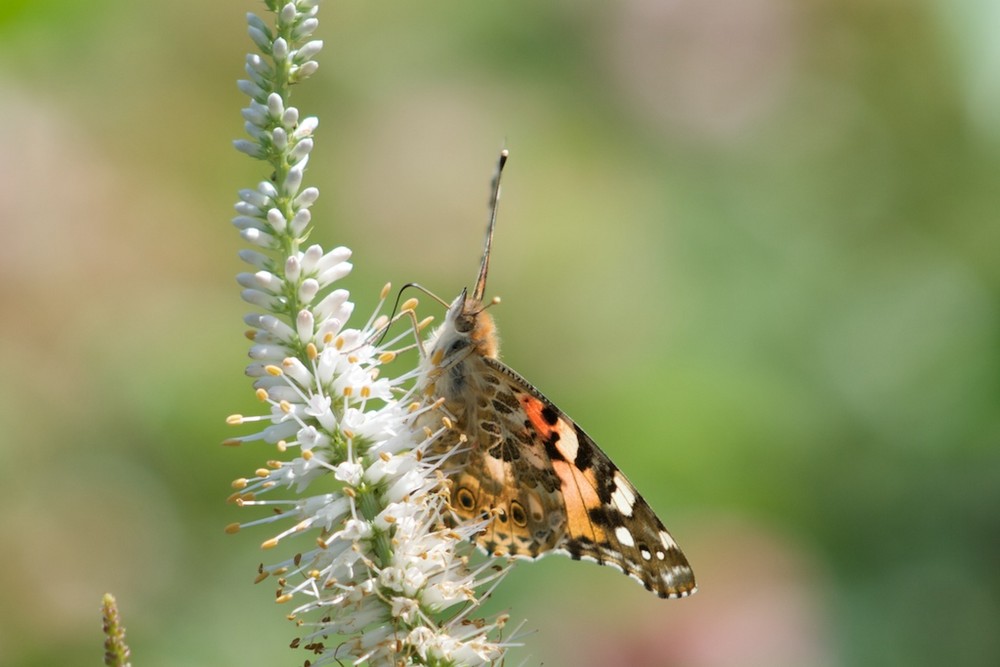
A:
x: 751, y: 245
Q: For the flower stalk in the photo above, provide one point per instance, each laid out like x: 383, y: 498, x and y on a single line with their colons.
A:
x: 381, y: 575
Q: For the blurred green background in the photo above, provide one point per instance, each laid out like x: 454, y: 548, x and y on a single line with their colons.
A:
x: 750, y: 245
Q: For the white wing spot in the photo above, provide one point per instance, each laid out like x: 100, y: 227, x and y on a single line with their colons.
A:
x: 668, y: 541
x: 623, y: 498
x: 661, y: 555
x: 567, y: 444
x: 645, y: 554
x: 624, y: 536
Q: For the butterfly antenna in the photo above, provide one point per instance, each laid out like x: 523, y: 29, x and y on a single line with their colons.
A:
x: 484, y: 267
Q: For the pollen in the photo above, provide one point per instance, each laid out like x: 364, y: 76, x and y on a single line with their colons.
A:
x: 240, y: 483
x: 385, y: 291
x: 366, y: 392
x: 311, y: 351
x: 262, y: 395
x: 386, y: 357
x: 282, y: 599
x: 262, y: 472
x: 269, y: 544
x: 409, y: 305
x: 424, y: 322
x: 271, y: 369
x: 234, y: 420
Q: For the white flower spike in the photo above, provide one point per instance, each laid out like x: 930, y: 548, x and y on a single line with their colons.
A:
x: 358, y: 486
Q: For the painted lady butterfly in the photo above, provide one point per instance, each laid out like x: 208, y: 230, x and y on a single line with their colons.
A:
x: 545, y: 483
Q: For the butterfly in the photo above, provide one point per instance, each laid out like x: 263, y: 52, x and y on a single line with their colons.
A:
x: 521, y: 464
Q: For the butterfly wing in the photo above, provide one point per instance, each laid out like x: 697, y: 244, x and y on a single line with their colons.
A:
x: 550, y: 488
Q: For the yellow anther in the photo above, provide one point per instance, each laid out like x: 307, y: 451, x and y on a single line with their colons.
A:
x: 424, y: 322
x: 386, y: 357
x: 350, y: 493
x: 447, y: 423
x: 269, y: 544
x: 311, y: 351
x: 234, y: 420
x: 285, y: 406
x: 274, y: 464
x: 414, y: 406
x: 232, y: 529
x: 261, y: 394
x: 282, y: 599
x: 385, y: 456
x: 339, y: 343
x: 437, y: 357
x: 389, y: 518
x: 262, y: 472
x: 366, y: 392
x: 250, y: 334
x: 385, y: 291
x: 349, y: 434
x: 232, y: 442
x: 240, y: 483
x: 348, y: 391
x: 281, y: 446
x: 271, y: 369
x: 261, y: 577
x: 352, y: 359
x: 409, y: 305
x: 315, y: 574
x: 307, y: 454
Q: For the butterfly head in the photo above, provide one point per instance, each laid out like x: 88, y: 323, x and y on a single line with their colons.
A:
x: 473, y: 329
